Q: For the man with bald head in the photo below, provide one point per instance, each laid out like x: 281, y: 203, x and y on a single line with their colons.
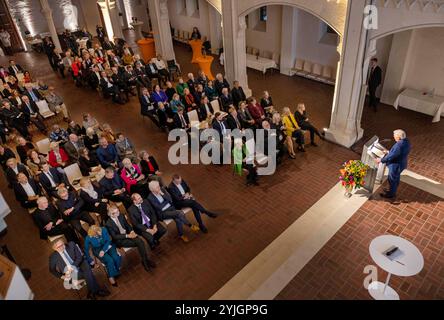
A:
x: 50, y: 222
x: 73, y: 146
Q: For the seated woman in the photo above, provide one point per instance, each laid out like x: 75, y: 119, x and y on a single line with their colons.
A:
x: 34, y: 161
x: 195, y: 35
x: 149, y: 167
x: 27, y: 77
x: 293, y: 130
x: 276, y: 124
x: 57, y: 157
x: 176, y: 103
x: 181, y: 86
x: 305, y: 124
x: 158, y: 95
x: 92, y: 195
x: 91, y: 140
x: 134, y: 178
x: 88, y: 163
x: 99, y: 242
x: 188, y: 98
x: 267, y: 103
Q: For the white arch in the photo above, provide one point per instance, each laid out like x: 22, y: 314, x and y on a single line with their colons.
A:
x: 332, y: 13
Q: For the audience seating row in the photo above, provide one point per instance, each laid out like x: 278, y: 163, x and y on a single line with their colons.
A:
x: 314, y: 71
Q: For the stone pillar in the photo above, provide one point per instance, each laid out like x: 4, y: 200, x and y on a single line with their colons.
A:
x: 111, y: 17
x: 233, y: 31
x: 288, y: 39
x: 215, y: 29
x: 161, y: 27
x: 47, y: 12
x: 345, y: 125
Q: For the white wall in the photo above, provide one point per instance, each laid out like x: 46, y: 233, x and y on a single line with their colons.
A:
x: 91, y: 15
x: 269, y: 40
x: 138, y: 9
x: 308, y: 46
x: 426, y: 64
x: 383, y: 47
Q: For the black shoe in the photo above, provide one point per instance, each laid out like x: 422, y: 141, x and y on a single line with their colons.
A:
x: 212, y: 215
x: 203, y: 229
x: 386, y: 196
x: 91, y: 296
x: 103, y: 293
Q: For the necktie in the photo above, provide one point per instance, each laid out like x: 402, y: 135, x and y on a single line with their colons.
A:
x: 152, y: 69
x: 30, y: 109
x: 68, y: 257
x: 51, y: 178
x: 146, y: 220
x: 223, y: 128
x: 119, y: 225
x: 184, y: 124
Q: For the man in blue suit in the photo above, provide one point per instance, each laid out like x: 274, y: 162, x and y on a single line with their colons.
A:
x: 396, y: 161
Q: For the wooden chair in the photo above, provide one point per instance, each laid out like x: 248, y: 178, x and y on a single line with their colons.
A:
x: 44, y: 109
x: 74, y: 175
x: 316, y: 73
x: 43, y: 146
x: 216, y: 106
x: 194, y: 118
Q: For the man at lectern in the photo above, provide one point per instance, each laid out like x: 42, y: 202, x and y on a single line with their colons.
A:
x: 396, y: 161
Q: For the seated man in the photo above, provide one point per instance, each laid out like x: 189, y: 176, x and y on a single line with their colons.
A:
x: 165, y: 116
x: 162, y: 202
x: 32, y: 114
x: 124, y: 236
x: 50, y: 222
x: 145, y: 221
x: 58, y: 134
x: 71, y: 208
x: 107, y: 154
x: 147, y: 107
x: 182, y: 198
x: 27, y: 191
x: 55, y: 103
x: 114, y: 188
x: 226, y: 100
x: 92, y: 195
x: 268, y: 136
x: 109, y: 88
x: 181, y: 120
x: 68, y: 263
x: 152, y: 72
x: 52, y: 179
x: 73, y: 146
x: 161, y: 68
x: 125, y: 148
x: 13, y: 168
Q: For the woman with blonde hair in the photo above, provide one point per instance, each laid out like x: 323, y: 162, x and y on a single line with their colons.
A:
x: 303, y: 121
x: 276, y: 124
x: 99, y: 242
x: 293, y: 131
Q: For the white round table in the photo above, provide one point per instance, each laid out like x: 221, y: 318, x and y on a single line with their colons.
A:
x: 137, y: 29
x: 409, y: 264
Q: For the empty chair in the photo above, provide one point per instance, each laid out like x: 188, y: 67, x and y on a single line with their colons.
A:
x: 276, y: 58
x: 186, y: 36
x: 44, y: 109
x: 73, y: 174
x: 316, y: 72
x: 216, y: 106
x: 43, y: 146
x: 249, y: 50
x: 308, y: 67
x: 299, y: 65
x: 327, y: 73
x: 194, y: 118
x: 255, y: 51
x: 267, y: 54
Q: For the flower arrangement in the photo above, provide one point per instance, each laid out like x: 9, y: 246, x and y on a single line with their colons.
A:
x: 352, y: 174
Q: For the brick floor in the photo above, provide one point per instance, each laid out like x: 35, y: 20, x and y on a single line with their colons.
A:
x: 336, y: 272
x: 252, y: 217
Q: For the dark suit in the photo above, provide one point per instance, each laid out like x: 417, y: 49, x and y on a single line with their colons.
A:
x: 226, y: 102
x: 72, y: 151
x: 90, y: 203
x: 396, y: 161
x: 374, y: 82
x: 203, y: 113
x: 77, y: 215
x: 57, y: 178
x: 57, y: 266
x: 218, y: 126
x: 36, y: 94
x: 165, y: 210
x: 50, y: 214
x: 11, y: 176
x: 147, y: 108
x: 233, y: 122
x: 141, y: 227
x: 22, y: 197
x: 152, y: 73
x: 122, y: 241
x: 180, y: 202
x: 238, y: 95
x: 12, y: 71
x: 111, y: 185
x: 32, y: 114
x: 178, y: 123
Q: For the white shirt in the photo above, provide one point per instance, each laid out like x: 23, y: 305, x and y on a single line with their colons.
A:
x: 117, y: 222
x: 159, y: 64
x: 15, y: 170
x: 161, y: 200
x: 50, y: 179
x: 62, y: 254
x: 28, y: 189
x: 179, y: 186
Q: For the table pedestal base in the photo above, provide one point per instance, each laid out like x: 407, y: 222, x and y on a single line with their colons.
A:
x: 376, y: 290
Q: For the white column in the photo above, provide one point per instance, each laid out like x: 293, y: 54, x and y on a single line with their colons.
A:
x: 288, y: 39
x: 345, y: 126
x: 111, y: 17
x: 124, y: 20
x: 233, y: 31
x: 161, y: 28
x: 47, y: 12
x: 215, y: 24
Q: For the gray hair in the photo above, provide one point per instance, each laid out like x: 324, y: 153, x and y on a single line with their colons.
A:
x: 400, y: 133
x: 153, y: 185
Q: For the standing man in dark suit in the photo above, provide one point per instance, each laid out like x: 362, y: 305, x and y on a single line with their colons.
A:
x: 50, y: 222
x: 182, y: 198
x: 67, y: 263
x: 71, y: 208
x: 145, y: 221
x: 124, y: 236
x: 396, y: 161
x: 374, y: 82
x: 238, y: 94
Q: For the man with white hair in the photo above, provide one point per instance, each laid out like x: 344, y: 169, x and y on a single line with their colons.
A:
x: 396, y: 161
